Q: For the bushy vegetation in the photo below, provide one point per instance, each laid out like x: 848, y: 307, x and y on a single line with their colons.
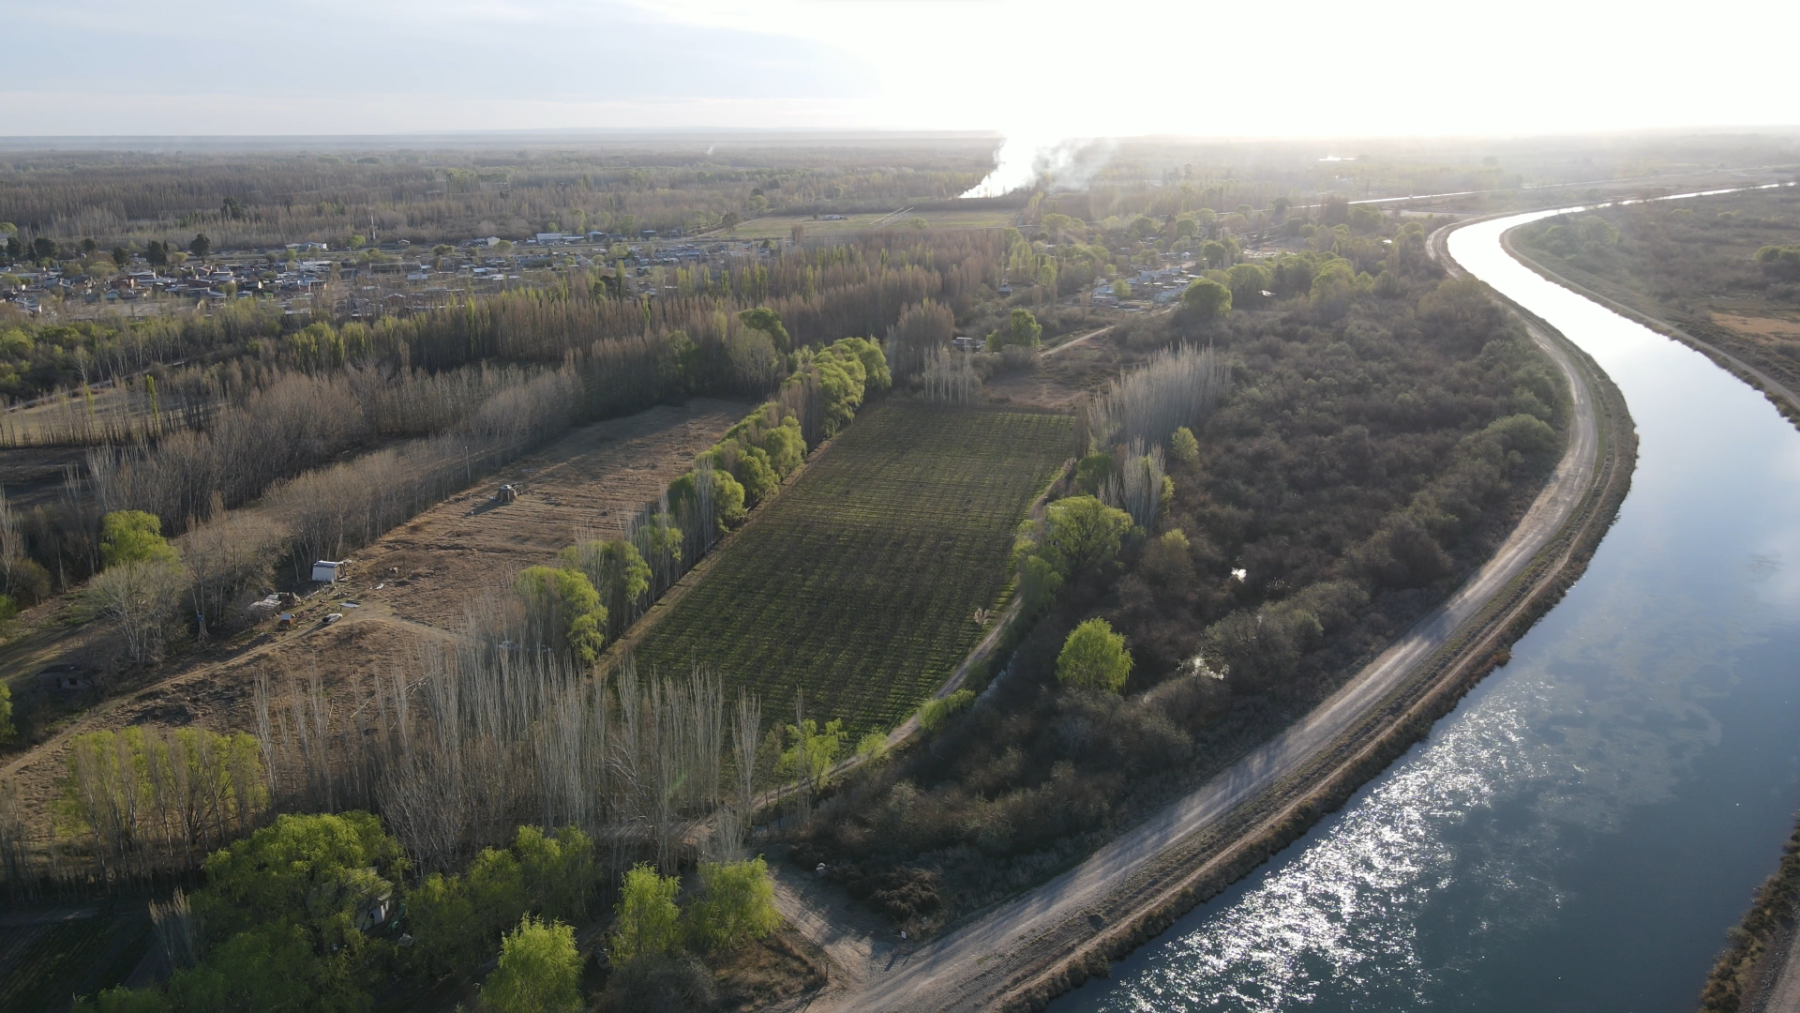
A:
x: 320, y: 912
x: 1375, y: 439
x: 1725, y: 269
x: 859, y: 584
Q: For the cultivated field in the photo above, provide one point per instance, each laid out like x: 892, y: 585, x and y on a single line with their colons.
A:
x: 859, y: 584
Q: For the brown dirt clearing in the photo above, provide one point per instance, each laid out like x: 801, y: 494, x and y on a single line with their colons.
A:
x: 594, y: 478
x: 1758, y: 327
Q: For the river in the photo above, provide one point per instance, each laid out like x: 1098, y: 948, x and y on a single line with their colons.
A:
x: 1581, y: 832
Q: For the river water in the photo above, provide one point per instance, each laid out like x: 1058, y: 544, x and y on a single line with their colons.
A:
x: 1580, y: 833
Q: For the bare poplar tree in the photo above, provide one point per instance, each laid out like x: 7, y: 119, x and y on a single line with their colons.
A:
x: 1176, y: 387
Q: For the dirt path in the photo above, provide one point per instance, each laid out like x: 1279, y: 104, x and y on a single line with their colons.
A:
x: 1782, y: 994
x: 1018, y: 944
x: 1065, y: 346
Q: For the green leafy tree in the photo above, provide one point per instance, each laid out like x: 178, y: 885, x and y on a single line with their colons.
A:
x: 755, y: 473
x: 649, y: 923
x: 617, y: 571
x: 1092, y: 471
x: 121, y: 256
x: 1094, y: 657
x: 7, y: 731
x: 133, y: 536
x: 785, y: 446
x: 818, y: 746
x: 769, y: 322
x: 735, y: 906
x: 936, y: 712
x: 321, y: 869
x: 200, y: 246
x: 1081, y: 534
x: 441, y: 918
x: 1247, y: 283
x: 284, y: 908
x: 1185, y: 446
x: 678, y: 362
x: 539, y: 970
x: 565, y: 609
x: 1022, y: 331
x: 559, y: 871
x: 1206, y: 299
x: 1038, y: 582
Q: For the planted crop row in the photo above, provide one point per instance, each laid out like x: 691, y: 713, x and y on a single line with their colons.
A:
x: 859, y: 585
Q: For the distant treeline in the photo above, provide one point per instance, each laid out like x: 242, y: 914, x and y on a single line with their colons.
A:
x: 260, y: 200
x: 822, y: 294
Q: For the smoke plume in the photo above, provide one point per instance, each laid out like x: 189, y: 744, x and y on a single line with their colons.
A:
x: 1025, y: 160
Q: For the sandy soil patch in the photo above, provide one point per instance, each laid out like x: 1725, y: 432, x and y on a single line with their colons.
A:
x: 594, y: 478
x: 1759, y: 327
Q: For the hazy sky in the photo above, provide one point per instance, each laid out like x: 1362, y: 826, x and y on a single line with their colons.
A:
x: 1026, y: 67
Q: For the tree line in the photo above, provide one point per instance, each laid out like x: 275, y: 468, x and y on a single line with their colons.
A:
x: 259, y: 200
x: 326, y: 912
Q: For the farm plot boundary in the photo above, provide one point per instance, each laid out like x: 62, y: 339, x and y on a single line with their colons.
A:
x: 859, y: 584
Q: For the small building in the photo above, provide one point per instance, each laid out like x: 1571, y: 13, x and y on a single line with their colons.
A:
x: 507, y: 494
x: 329, y: 572
x: 64, y: 679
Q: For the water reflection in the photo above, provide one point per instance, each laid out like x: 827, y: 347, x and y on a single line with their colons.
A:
x: 1579, y: 834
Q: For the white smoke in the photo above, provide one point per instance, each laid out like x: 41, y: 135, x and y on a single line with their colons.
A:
x: 1066, y: 163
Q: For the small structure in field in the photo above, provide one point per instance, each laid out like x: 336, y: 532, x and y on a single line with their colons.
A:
x: 264, y: 608
x: 329, y: 572
x: 285, y: 621
x: 506, y: 495
x: 64, y: 679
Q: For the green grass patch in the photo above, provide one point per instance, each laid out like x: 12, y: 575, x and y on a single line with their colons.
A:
x: 859, y: 583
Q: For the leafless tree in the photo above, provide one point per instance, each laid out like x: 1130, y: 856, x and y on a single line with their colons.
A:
x: 1177, y: 387
x: 137, y: 598
x: 949, y: 376
x: 1136, y: 484
x: 227, y: 559
x: 922, y: 328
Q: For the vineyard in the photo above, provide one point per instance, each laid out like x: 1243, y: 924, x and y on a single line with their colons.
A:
x: 859, y: 585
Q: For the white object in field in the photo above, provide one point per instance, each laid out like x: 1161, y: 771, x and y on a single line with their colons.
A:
x: 333, y: 617
x: 328, y: 571
x: 1237, y: 575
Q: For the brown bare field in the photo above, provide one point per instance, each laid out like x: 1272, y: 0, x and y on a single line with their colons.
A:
x: 1758, y: 327
x: 595, y: 478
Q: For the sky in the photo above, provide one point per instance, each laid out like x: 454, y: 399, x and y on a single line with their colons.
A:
x: 1038, y: 69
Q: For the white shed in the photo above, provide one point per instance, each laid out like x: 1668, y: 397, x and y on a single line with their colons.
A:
x: 329, y: 572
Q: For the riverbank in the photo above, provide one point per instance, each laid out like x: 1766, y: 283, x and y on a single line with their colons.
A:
x: 1183, y: 877
x: 1039, y: 944
x: 1783, y: 396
